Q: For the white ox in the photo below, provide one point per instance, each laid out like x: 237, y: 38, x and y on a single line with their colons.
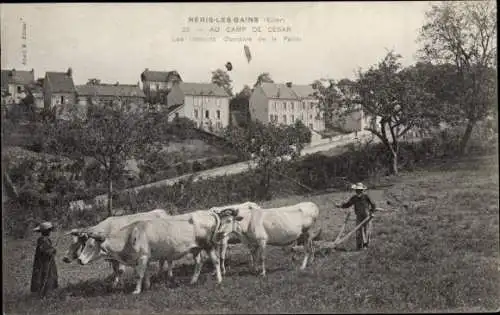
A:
x: 283, y: 226
x: 245, y: 207
x: 108, y: 226
x: 168, y: 238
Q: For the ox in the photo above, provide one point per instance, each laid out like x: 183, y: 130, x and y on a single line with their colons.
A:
x: 109, y: 225
x: 168, y: 238
x: 245, y: 207
x: 283, y: 226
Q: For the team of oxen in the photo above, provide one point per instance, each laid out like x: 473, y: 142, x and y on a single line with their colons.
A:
x: 137, y: 240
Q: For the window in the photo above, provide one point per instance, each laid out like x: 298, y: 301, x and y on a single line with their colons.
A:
x: 275, y: 106
x: 19, y: 89
x: 302, y: 116
x: 310, y: 126
x: 158, y: 86
x: 293, y: 118
x: 176, y: 115
x: 291, y: 105
x: 195, y: 113
x: 207, y: 114
x: 312, y: 105
x: 284, y: 119
x: 284, y: 105
x: 218, y: 114
x: 311, y: 116
x: 62, y: 99
x: 304, y: 105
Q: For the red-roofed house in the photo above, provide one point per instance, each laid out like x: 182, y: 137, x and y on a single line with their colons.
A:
x: 59, y: 89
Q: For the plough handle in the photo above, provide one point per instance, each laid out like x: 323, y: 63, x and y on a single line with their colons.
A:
x: 343, y: 227
x: 336, y: 242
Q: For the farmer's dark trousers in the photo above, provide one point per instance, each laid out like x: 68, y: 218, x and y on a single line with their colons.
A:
x: 363, y: 234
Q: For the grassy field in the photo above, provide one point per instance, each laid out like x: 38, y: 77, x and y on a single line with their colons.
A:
x: 437, y: 250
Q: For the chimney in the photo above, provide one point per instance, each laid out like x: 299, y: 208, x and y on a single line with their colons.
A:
x: 69, y: 72
x: 289, y: 84
x: 117, y: 83
x: 32, y: 70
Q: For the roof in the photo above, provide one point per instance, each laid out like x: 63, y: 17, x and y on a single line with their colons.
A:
x: 303, y: 91
x: 60, y: 82
x: 159, y: 76
x: 174, y: 108
x: 17, y: 77
x: 278, y: 90
x: 210, y: 89
x: 121, y: 90
x: 282, y: 91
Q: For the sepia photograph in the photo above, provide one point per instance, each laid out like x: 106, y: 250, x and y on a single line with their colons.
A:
x: 250, y: 157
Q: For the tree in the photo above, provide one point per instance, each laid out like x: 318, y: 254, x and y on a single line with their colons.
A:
x: 110, y: 134
x: 397, y: 97
x: 240, y: 102
x: 266, y: 144
x: 463, y: 33
x: 329, y: 100
x: 222, y: 79
x: 262, y: 78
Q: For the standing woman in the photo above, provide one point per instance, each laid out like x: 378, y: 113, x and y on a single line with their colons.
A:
x: 44, y: 277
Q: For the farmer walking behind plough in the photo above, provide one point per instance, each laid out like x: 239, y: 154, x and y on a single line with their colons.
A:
x: 363, y: 207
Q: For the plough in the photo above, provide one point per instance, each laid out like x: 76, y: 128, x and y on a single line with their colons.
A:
x: 324, y: 247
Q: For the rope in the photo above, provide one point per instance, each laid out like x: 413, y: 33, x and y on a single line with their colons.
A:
x: 217, y: 224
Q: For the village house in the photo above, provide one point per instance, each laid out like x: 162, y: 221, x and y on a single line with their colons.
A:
x: 157, y: 84
x: 95, y: 92
x: 14, y: 84
x: 59, y: 89
x: 285, y: 104
x: 207, y: 104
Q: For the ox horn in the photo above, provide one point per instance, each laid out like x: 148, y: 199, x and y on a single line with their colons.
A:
x: 97, y: 236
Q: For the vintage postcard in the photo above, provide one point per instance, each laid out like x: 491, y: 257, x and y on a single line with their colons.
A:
x: 244, y: 157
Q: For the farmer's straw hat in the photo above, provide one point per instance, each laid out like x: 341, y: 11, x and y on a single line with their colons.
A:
x: 359, y: 186
x: 44, y: 226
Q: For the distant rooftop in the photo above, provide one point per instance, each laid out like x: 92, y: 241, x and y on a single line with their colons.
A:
x: 13, y: 76
x: 119, y: 90
x: 209, y: 89
x: 60, y: 82
x: 159, y: 76
x: 287, y: 91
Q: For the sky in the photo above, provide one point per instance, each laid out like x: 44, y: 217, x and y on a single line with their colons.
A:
x: 116, y: 42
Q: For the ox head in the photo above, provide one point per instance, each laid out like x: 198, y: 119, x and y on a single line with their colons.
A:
x: 229, y: 223
x: 92, y: 249
x: 79, y: 238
